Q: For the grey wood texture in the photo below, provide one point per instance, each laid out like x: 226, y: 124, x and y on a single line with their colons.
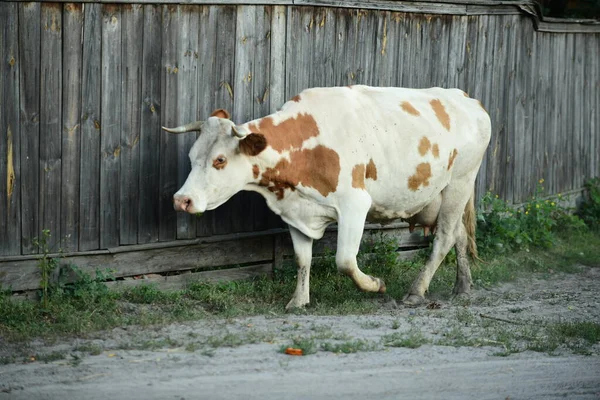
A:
x: 90, y: 162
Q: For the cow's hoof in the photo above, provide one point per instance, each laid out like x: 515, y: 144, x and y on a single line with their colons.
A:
x: 463, y: 299
x: 295, y: 305
x: 413, y: 300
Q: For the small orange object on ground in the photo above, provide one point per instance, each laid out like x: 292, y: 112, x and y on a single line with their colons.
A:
x: 293, y: 352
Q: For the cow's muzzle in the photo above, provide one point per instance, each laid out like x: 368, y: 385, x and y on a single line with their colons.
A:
x: 182, y: 203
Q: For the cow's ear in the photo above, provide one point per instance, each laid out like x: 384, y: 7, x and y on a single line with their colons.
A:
x: 253, y: 144
x: 221, y: 113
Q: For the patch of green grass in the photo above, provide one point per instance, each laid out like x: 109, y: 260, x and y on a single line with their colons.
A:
x: 370, y: 325
x: 588, y: 331
x: 89, y: 348
x: 50, y: 357
x: 308, y: 345
x: 350, y: 346
x: 412, y: 339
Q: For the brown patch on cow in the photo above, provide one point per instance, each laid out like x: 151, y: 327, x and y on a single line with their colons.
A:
x: 371, y: 171
x: 288, y: 134
x: 253, y: 144
x: 451, y: 158
x: 221, y: 113
x: 409, y: 108
x: 440, y: 113
x: 296, y: 98
x: 424, y: 145
x: 481, y: 105
x: 421, y: 177
x: 358, y: 176
x: 465, y: 94
x: 318, y: 168
x: 435, y: 150
x: 255, y: 171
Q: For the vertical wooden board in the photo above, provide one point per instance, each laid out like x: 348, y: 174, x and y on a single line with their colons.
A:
x: 496, y: 107
x: 457, y: 48
x: 299, y: 58
x: 570, y: 157
x: 366, y: 46
x: 132, y: 30
x: 555, y: 112
x: 385, y: 50
x: 71, y: 128
x: 524, y: 110
x: 89, y: 179
x: 594, y: 103
x: 110, y: 125
x: 10, y: 196
x: 488, y: 30
x: 187, y: 62
x: 512, y: 96
x: 278, y: 61
x: 223, y: 95
x: 439, y: 48
x: 169, y: 105
x: 405, y: 74
x: 580, y: 153
x: 344, y: 71
x: 50, y: 121
x: 150, y: 131
x: 323, y: 40
x: 29, y: 129
x: 262, y: 62
x: 260, y: 100
x: 243, y: 74
x: 207, y: 86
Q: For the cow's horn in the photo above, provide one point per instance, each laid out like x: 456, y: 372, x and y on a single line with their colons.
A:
x: 192, y: 126
x: 237, y: 133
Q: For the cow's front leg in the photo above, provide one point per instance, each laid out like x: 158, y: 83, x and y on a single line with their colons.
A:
x: 303, y: 250
x: 351, y: 223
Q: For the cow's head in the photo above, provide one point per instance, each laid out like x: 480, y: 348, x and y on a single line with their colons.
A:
x: 221, y: 163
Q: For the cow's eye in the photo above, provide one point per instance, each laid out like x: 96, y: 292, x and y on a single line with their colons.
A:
x: 220, y: 162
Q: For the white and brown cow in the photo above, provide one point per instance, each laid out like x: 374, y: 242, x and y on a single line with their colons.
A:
x: 346, y: 155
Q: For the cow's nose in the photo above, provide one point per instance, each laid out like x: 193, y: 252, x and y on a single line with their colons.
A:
x: 181, y: 202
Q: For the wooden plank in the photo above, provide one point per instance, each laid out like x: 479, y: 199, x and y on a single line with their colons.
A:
x: 207, y: 39
x: 132, y: 30
x: 29, y: 130
x: 260, y: 213
x: 366, y: 45
x: 593, y: 96
x: 150, y: 131
x: 457, y: 48
x: 50, y: 121
x: 298, y: 57
x: 71, y: 127
x: 168, y: 142
x: 343, y: 62
x: 110, y: 123
x: 10, y: 194
x: 581, y: 154
x: 441, y: 29
x: 179, y: 282
x: 24, y: 274
x: 542, y: 105
x: 223, y: 98
x: 89, y: 182
x: 386, y: 51
x: 570, y: 157
x: 278, y: 63
x: 247, y: 42
x: 187, y: 62
x: 512, y: 95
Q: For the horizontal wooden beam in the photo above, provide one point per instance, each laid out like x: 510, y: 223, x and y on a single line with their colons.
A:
x: 450, y: 7
x: 23, y: 273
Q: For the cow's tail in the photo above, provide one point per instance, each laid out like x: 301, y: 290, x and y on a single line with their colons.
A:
x: 469, y: 220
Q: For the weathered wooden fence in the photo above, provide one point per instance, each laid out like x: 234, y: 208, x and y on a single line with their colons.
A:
x: 85, y: 87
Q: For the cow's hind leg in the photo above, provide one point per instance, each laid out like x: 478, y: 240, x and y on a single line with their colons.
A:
x: 449, y: 229
x: 303, y: 250
x: 463, y: 269
x: 351, y: 222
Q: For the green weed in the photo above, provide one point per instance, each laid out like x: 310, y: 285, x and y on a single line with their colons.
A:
x: 589, y: 210
x: 308, y: 345
x: 351, y: 346
x: 412, y: 339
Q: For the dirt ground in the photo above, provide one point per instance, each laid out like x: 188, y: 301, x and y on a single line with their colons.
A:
x: 466, y: 357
